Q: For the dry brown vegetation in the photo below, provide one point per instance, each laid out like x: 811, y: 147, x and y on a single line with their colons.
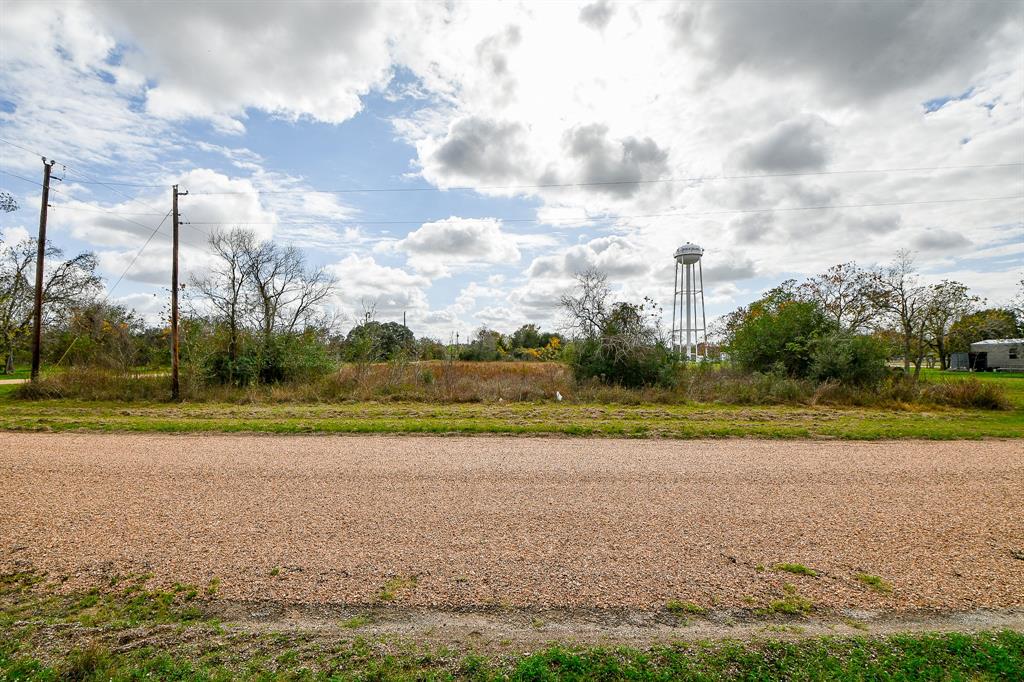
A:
x: 468, y: 382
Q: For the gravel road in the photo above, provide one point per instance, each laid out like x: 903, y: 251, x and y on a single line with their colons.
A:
x: 538, y: 522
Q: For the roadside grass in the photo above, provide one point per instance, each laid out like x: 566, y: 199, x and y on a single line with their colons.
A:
x: 796, y: 569
x: 395, y: 586
x: 875, y: 582
x: 129, y: 632
x: 791, y: 604
x: 985, y: 656
x: 544, y: 418
x: 356, y: 622
x: 128, y: 603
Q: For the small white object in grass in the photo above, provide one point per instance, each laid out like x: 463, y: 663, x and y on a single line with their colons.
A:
x: 558, y: 396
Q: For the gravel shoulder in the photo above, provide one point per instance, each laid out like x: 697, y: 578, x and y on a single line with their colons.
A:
x: 460, y: 523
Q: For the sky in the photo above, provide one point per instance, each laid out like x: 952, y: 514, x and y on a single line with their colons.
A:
x: 457, y: 163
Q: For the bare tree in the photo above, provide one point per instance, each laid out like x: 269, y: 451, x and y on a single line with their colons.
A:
x: 259, y: 286
x: 587, y: 306
x: 896, y: 291
x: 66, y: 285
x: 224, y: 286
x: 842, y: 292
x: 286, y: 292
x: 948, y: 302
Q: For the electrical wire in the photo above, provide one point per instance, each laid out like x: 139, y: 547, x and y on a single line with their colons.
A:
x: 116, y: 214
x: 110, y: 291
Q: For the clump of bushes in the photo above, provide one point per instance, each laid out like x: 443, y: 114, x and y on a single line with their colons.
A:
x: 969, y: 393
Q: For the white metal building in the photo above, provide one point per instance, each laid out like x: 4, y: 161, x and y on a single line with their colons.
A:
x: 1005, y: 355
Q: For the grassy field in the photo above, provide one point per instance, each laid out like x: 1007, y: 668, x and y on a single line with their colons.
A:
x: 666, y: 421
x: 129, y: 632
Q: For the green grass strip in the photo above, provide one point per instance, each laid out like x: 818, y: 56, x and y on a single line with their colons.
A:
x: 986, y: 656
x: 635, y: 421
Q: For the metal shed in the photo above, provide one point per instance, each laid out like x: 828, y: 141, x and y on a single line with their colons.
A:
x: 1006, y: 355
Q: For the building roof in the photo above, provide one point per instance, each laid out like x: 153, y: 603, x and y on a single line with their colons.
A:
x: 996, y: 342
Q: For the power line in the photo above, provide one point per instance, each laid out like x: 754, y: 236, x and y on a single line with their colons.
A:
x: 566, y: 185
x: 110, y: 291
x: 83, y: 209
x: 625, y: 217
x: 74, y: 170
x: 86, y: 176
x: 115, y: 214
x: 137, y: 254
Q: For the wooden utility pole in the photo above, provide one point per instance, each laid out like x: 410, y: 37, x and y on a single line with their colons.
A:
x: 175, y: 384
x: 37, y: 317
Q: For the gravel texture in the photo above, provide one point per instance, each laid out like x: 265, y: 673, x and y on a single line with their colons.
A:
x: 537, y: 522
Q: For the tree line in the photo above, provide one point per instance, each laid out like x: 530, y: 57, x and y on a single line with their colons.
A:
x: 890, y: 303
x: 257, y: 313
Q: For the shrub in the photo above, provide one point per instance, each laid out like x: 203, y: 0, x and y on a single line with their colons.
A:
x: 851, y: 360
x: 641, y: 366
x: 782, y: 339
x: 967, y: 393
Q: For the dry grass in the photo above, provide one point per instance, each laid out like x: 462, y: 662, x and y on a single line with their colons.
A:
x: 469, y: 382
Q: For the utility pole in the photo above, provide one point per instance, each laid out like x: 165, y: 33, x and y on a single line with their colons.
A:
x: 175, y: 384
x: 37, y: 324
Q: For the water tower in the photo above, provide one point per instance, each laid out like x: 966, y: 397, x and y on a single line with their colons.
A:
x: 689, y: 333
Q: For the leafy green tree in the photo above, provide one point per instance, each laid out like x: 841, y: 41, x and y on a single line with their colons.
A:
x: 487, y: 345
x: 855, y: 360
x: 527, y: 336
x: 374, y: 341
x: 780, y: 335
x: 993, y: 323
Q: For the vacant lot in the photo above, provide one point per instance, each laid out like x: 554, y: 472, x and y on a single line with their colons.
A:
x: 457, y: 522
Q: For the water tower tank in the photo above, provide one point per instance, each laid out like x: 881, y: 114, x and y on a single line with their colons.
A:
x: 688, y: 254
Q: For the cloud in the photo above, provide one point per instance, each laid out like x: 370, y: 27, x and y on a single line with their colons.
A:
x: 858, y: 50
x: 363, y: 283
x: 800, y: 144
x: 288, y: 59
x: 615, y: 256
x: 435, y: 247
x: 538, y: 300
x: 603, y: 160
x: 479, y: 150
x: 941, y: 240
x: 728, y: 271
x: 596, y: 15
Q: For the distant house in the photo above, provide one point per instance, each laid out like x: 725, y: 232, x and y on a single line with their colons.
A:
x: 1006, y: 355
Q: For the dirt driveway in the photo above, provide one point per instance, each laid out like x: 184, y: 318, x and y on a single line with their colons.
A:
x: 536, y: 522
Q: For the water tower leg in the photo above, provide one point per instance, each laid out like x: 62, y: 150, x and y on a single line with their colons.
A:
x: 675, y: 305
x: 688, y: 272
x: 703, y: 316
